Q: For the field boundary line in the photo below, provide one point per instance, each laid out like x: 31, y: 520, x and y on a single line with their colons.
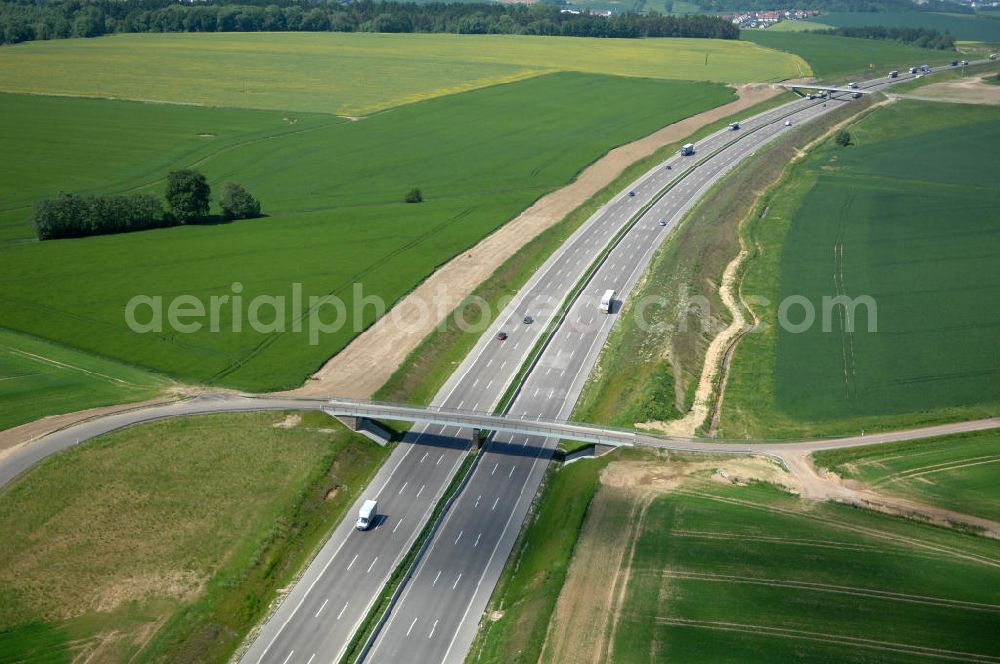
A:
x: 838, y: 639
x: 833, y: 588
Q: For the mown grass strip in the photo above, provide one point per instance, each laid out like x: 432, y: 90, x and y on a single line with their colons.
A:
x: 365, y: 637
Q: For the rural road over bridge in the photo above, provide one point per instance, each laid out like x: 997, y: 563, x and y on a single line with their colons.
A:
x: 437, y: 615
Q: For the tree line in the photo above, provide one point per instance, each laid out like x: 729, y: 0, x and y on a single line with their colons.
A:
x: 923, y: 37
x: 26, y: 20
x: 188, y: 198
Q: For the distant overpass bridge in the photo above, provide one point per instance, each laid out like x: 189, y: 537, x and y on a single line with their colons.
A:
x: 826, y: 88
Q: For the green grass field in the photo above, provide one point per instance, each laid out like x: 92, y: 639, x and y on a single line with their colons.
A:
x: 905, y: 216
x: 961, y: 26
x: 747, y: 575
x: 38, y: 378
x: 166, y: 542
x: 797, y: 26
x: 333, y: 193
x: 832, y: 57
x: 356, y: 74
x: 955, y: 472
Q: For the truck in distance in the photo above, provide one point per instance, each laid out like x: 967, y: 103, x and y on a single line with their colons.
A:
x: 687, y: 149
x: 607, y: 301
x: 893, y: 74
x: 852, y: 85
x: 733, y: 126
x: 367, y: 515
x: 912, y: 70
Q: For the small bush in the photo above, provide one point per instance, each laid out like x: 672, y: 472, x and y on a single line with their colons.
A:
x: 843, y: 138
x: 414, y: 196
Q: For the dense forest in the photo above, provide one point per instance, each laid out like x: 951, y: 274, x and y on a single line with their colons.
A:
x: 25, y: 20
x: 924, y: 37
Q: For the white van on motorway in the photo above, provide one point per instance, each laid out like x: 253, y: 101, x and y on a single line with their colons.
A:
x: 367, y: 515
x: 607, y: 301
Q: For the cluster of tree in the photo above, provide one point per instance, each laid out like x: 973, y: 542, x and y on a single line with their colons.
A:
x: 69, y: 215
x: 188, y: 199
x: 25, y: 20
x: 923, y: 37
x: 831, y: 6
x: 843, y: 138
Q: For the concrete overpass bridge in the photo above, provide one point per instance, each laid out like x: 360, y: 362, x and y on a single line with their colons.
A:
x: 826, y: 88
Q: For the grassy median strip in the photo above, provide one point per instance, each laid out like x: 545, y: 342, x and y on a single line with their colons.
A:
x: 379, y: 610
x: 427, y: 368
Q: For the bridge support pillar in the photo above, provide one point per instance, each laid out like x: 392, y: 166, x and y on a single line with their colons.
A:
x: 477, y: 439
x: 366, y: 427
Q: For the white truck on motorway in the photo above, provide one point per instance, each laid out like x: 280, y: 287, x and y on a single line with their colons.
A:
x: 893, y: 74
x: 687, y: 149
x: 607, y: 301
x: 852, y: 85
x: 367, y: 515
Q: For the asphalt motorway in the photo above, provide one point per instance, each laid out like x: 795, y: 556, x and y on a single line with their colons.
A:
x: 318, y: 617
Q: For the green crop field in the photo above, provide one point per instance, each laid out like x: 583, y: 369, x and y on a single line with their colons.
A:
x: 333, y: 191
x: 748, y: 575
x: 905, y: 216
x: 38, y: 378
x: 961, y: 26
x: 357, y: 74
x: 832, y: 57
x: 166, y: 542
x: 958, y: 473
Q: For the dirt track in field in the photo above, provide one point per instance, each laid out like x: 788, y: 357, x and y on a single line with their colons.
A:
x: 371, y: 358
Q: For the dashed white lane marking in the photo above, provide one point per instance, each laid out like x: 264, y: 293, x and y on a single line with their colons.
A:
x: 511, y: 473
x: 411, y: 626
x: 311, y: 658
x: 372, y: 565
x: 433, y: 627
x: 439, y: 459
x: 402, y: 487
x: 436, y: 578
x: 351, y: 564
x: 489, y: 384
x: 424, y: 457
x: 495, y: 503
x: 421, y: 490
x: 459, y: 537
x: 475, y: 382
x: 495, y: 466
x: 477, y: 500
x: 322, y: 606
x: 455, y: 585
x: 477, y: 540
x: 289, y: 657
x: 342, y: 610
x: 397, y: 525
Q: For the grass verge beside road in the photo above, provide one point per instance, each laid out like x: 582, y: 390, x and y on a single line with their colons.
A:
x: 513, y: 629
x: 168, y: 541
